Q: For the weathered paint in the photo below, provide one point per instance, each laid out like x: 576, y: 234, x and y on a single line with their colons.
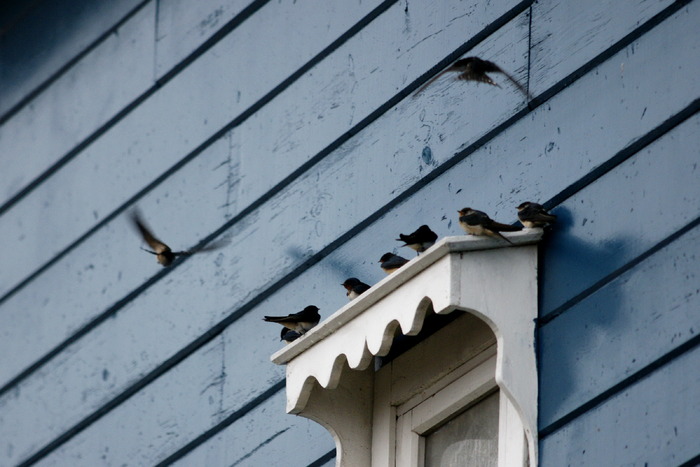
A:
x: 395, y: 171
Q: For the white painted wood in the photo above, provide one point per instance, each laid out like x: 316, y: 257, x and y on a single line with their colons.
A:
x: 498, y: 285
x: 512, y: 444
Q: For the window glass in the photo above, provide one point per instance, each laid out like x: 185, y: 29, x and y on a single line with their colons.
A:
x: 470, y: 439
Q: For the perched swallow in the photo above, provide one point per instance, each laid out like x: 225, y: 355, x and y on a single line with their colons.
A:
x: 355, y: 287
x: 391, y: 262
x: 479, y: 223
x: 288, y: 335
x: 475, y: 69
x: 164, y: 254
x: 420, y: 240
x: 298, y: 322
x: 534, y: 215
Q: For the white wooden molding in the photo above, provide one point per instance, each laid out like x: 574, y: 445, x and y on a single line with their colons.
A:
x: 486, y: 277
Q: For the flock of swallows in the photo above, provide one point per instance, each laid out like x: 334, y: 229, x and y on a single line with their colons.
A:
x: 473, y: 222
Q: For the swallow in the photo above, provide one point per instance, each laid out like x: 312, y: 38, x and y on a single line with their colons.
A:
x: 475, y: 69
x: 533, y: 215
x: 420, y: 240
x: 164, y: 255
x: 479, y: 223
x: 298, y: 322
x: 355, y: 287
x: 391, y: 262
x: 288, y: 336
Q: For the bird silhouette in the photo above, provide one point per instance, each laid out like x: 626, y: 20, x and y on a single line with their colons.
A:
x: 479, y: 223
x: 355, y: 287
x: 164, y: 254
x: 299, y: 322
x: 420, y: 240
x: 391, y: 262
x: 534, y: 215
x: 475, y: 69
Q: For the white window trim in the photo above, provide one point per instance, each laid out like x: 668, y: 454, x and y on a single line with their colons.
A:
x: 485, y: 277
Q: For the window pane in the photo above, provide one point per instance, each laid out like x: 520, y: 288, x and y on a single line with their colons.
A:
x: 470, y: 439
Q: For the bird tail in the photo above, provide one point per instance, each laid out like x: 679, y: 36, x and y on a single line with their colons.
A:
x: 505, y: 227
x: 499, y: 235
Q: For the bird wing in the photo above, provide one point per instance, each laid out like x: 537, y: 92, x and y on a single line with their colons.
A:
x: 153, y: 242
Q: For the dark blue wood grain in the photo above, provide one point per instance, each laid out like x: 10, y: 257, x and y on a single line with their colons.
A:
x: 653, y: 422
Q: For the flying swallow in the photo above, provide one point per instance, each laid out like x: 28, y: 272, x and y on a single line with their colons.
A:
x: 164, y: 254
x: 391, y: 262
x: 298, y: 322
x: 475, y: 69
x: 420, y: 240
x: 479, y: 223
x: 288, y: 335
x: 355, y: 287
x: 534, y: 215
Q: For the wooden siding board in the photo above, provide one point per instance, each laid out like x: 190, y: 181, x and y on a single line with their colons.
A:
x: 183, y: 25
x: 566, y: 34
x: 51, y: 35
x: 167, y: 126
x: 76, y: 104
x: 303, y: 207
x: 265, y: 433
x: 484, y: 170
x: 510, y: 51
x: 655, y: 303
x: 109, y: 264
x: 653, y: 422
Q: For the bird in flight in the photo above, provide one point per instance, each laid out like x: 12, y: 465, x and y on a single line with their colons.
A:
x: 476, y: 69
x: 164, y: 254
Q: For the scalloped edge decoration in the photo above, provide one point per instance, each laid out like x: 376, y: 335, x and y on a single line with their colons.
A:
x: 495, y: 282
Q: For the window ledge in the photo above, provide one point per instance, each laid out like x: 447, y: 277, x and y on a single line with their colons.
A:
x: 486, y: 277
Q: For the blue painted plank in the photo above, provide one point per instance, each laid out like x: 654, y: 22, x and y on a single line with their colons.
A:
x: 608, y: 224
x: 596, y: 344
x: 171, y: 123
x: 85, y: 97
x: 261, y: 437
x: 184, y: 25
x: 653, y: 422
x: 46, y: 37
x: 247, y: 182
x: 303, y: 207
x: 566, y: 34
x: 474, y: 175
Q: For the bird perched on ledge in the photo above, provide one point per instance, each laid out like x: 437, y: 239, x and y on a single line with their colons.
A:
x: 391, y: 262
x: 475, y: 69
x: 164, y: 255
x: 420, y: 240
x: 289, y: 336
x: 479, y: 223
x: 299, y: 322
x: 355, y: 287
x: 533, y: 215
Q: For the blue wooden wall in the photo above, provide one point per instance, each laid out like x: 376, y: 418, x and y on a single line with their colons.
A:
x: 291, y: 128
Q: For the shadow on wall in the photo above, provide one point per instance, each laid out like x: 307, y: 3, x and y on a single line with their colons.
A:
x: 567, y: 328
x: 33, y: 33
